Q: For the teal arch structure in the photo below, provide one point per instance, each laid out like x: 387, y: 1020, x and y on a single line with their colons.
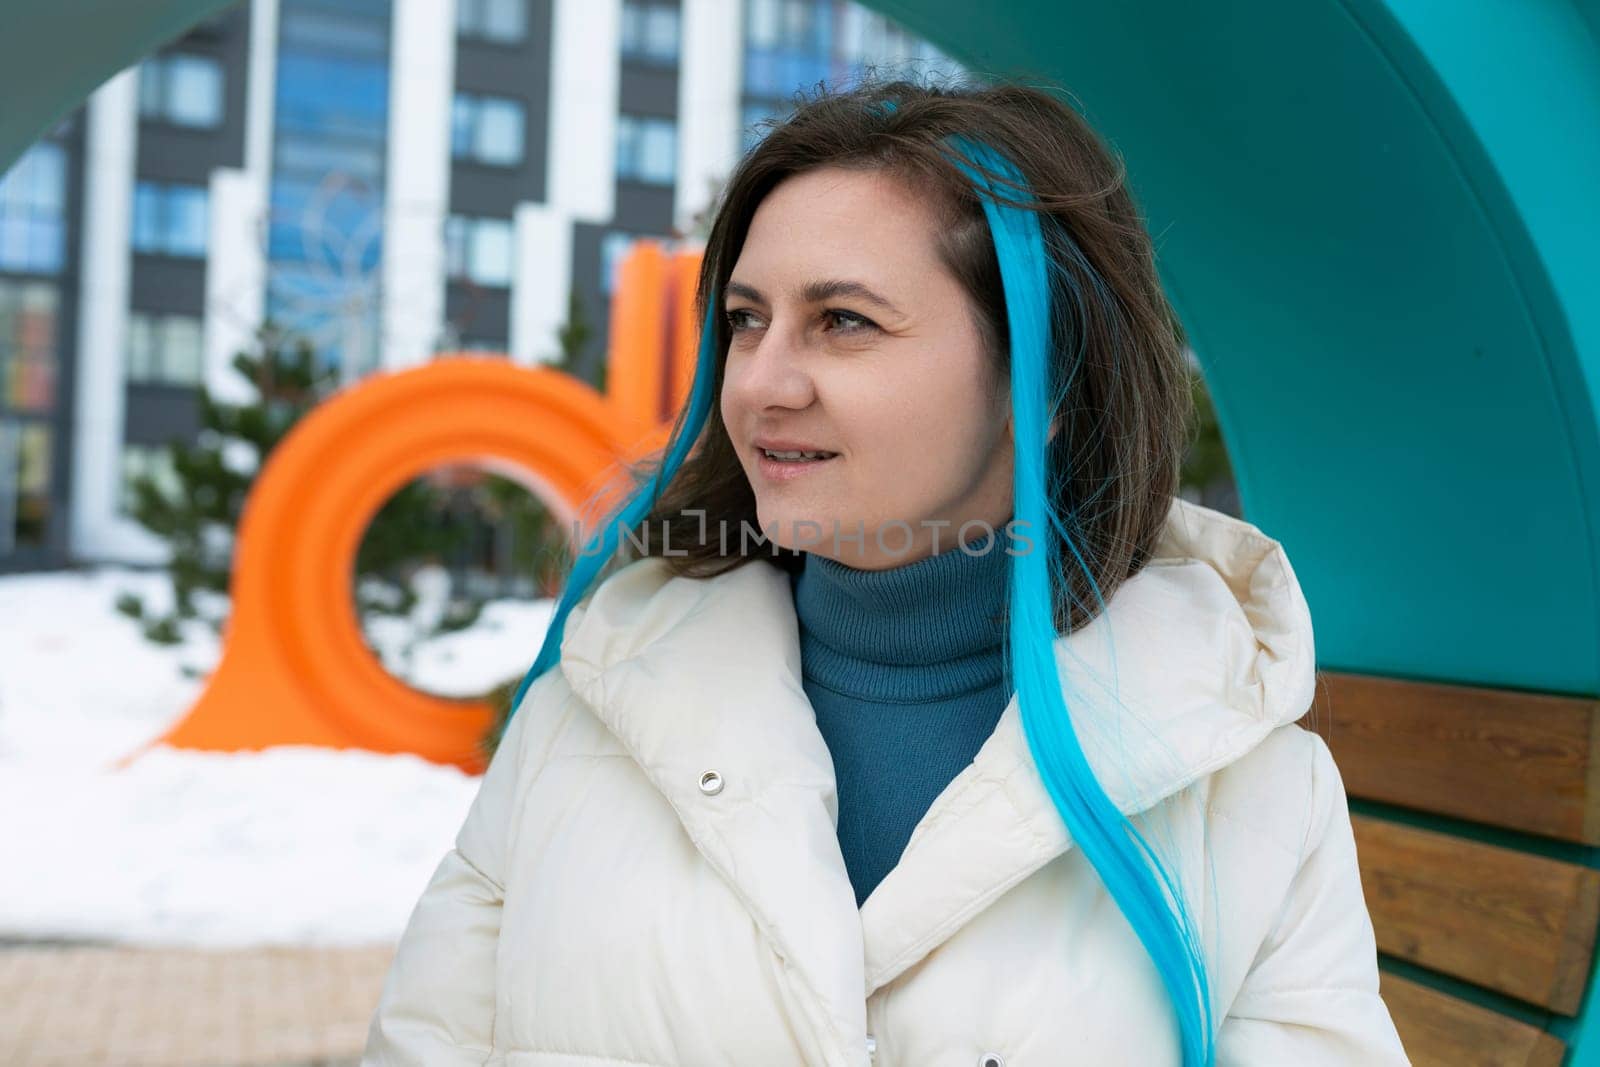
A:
x: 1380, y: 222
x: 53, y: 53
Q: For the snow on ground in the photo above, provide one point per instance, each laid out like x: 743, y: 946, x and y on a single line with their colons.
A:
x: 294, y: 845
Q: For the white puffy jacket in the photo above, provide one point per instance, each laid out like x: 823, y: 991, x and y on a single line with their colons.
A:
x: 650, y: 877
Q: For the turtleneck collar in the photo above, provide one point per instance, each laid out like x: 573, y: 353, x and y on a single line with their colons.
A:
x: 926, y: 630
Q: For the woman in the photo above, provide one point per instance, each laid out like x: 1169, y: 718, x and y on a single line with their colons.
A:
x: 987, y: 754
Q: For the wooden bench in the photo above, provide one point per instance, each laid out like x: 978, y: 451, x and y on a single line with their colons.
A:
x: 1512, y: 914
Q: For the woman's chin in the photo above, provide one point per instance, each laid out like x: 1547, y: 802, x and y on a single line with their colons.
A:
x: 807, y: 532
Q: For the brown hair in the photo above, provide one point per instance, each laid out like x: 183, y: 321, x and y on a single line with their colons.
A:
x: 1114, y: 467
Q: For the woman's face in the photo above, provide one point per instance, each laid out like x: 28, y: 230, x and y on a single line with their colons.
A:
x: 850, y: 337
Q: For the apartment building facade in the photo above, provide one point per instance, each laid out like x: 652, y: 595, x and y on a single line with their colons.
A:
x: 390, y: 179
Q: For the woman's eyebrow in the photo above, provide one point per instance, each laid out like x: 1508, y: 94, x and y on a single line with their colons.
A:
x: 815, y: 292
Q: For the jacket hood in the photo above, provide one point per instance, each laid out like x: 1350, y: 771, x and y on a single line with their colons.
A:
x: 1197, y: 657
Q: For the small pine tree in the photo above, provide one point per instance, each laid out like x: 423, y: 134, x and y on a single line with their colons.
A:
x: 412, y: 525
x: 572, y: 337
x: 537, y: 542
x: 197, y: 516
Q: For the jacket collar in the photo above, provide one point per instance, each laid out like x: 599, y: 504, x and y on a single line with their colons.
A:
x: 1212, y: 647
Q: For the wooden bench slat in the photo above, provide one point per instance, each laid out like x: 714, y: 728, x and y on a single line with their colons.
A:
x: 1523, y: 761
x: 1511, y: 921
x: 1439, y: 1030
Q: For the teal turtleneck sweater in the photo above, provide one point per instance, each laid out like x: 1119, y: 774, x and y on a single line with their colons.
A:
x: 904, y: 667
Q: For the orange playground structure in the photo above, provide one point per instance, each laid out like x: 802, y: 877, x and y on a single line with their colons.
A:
x: 295, y: 669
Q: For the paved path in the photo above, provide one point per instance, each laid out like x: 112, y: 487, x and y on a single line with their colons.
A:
x: 128, y: 1007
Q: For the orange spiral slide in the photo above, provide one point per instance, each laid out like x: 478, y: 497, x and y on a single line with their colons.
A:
x: 295, y: 669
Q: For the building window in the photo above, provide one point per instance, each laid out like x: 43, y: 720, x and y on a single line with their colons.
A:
x: 795, y: 25
x: 649, y: 32
x: 164, y: 348
x: 169, y: 219
x: 33, y: 211
x: 313, y: 158
x: 28, y: 313
x: 25, y: 448
x: 325, y: 236
x: 487, y: 129
x: 185, y: 90
x: 647, y: 149
x: 792, y: 44
x: 502, y: 21
x: 305, y: 29
x: 868, y: 37
x: 153, y: 461
x: 478, y: 250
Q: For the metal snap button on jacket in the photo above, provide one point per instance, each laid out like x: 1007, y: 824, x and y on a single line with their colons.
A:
x: 711, y: 783
x: 991, y: 1059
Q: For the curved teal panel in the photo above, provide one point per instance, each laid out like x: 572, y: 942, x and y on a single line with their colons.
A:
x: 1378, y: 223
x: 1590, y: 10
x: 54, y: 53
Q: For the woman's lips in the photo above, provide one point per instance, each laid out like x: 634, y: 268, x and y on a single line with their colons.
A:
x: 777, y: 470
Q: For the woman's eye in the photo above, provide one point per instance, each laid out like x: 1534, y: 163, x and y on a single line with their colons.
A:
x: 852, y: 323
x: 734, y: 318
x: 844, y: 321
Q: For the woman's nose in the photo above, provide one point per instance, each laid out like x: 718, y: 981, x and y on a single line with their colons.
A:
x: 771, y: 375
